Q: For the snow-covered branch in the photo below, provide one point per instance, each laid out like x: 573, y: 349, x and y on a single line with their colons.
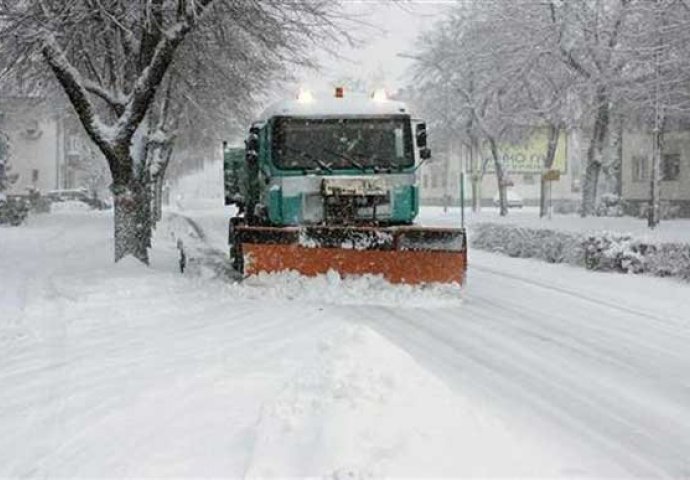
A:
x: 73, y: 85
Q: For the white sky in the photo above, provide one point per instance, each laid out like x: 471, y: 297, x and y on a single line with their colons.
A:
x: 392, y: 29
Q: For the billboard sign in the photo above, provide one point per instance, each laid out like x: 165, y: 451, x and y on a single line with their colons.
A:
x: 529, y: 156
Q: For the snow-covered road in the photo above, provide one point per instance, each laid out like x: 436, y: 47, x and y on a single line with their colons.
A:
x: 125, y: 371
x: 598, y: 362
x: 594, y: 362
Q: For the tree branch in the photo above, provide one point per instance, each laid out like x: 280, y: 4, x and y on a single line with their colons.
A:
x: 73, y: 84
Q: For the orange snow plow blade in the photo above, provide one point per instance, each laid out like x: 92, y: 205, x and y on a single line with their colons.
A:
x: 411, y: 255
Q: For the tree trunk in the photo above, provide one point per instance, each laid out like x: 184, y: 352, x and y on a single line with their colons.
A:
x: 589, y: 187
x: 552, y: 144
x: 595, y: 153
x: 474, y: 176
x: 132, y: 221
x: 158, y: 200
x: 475, y: 170
x: 617, y: 165
x: 654, y: 211
x: 500, y: 178
x: 476, y: 205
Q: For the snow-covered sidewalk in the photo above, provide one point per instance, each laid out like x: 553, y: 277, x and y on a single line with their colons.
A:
x: 122, y: 370
x: 676, y: 230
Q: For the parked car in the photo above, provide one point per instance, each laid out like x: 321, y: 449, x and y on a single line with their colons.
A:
x: 513, y: 199
x: 77, y: 194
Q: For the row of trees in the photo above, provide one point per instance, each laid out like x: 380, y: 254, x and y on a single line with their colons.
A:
x: 493, y: 70
x: 143, y: 74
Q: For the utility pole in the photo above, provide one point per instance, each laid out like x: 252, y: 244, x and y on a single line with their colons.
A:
x: 655, y: 177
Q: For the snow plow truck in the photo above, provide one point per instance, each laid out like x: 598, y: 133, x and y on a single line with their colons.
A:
x: 330, y: 184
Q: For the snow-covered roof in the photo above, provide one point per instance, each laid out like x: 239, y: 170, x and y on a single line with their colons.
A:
x: 330, y: 106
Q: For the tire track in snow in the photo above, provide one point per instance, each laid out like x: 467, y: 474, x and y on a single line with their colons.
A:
x: 201, y: 254
x: 578, y: 295
x: 503, y: 354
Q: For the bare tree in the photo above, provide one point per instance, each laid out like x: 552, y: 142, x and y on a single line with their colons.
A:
x: 111, y: 58
x: 450, y: 70
x: 586, y: 37
x: 492, y: 58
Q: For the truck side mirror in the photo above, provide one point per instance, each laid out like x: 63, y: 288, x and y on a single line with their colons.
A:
x: 425, y: 153
x: 252, y: 142
x: 420, y: 133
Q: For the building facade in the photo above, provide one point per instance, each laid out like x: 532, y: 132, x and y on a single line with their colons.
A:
x: 674, y: 188
x: 47, y: 149
x: 34, y: 140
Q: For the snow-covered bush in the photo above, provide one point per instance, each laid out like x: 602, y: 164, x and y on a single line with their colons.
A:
x: 13, y: 210
x: 603, y: 251
x: 667, y: 210
x: 608, y: 251
x: 610, y: 205
x: 566, y: 207
x: 549, y: 245
x: 669, y: 260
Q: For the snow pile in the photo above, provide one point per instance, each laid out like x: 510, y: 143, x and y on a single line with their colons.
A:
x: 331, y: 288
x: 363, y: 408
x: 348, y: 240
x: 603, y: 251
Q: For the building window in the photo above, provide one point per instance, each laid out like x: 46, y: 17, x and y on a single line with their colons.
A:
x: 425, y: 181
x: 528, y: 179
x: 639, y: 168
x: 32, y: 130
x: 34, y: 175
x: 73, y: 144
x: 434, y: 180
x: 670, y: 167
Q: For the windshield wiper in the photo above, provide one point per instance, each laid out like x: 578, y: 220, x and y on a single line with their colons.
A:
x: 302, y: 153
x: 389, y: 164
x: 349, y: 160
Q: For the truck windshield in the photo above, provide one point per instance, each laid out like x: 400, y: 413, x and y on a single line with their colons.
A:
x: 342, y: 143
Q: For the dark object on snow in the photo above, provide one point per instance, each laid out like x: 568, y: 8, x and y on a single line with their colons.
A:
x: 13, y: 210
x: 183, y: 256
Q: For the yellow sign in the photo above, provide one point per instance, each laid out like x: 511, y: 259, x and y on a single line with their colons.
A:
x: 552, y: 176
x: 529, y: 156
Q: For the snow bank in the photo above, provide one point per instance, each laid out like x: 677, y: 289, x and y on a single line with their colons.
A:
x: 363, y: 408
x: 603, y: 251
x: 333, y: 289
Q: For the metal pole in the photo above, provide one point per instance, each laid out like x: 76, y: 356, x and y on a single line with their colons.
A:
x: 462, y: 199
